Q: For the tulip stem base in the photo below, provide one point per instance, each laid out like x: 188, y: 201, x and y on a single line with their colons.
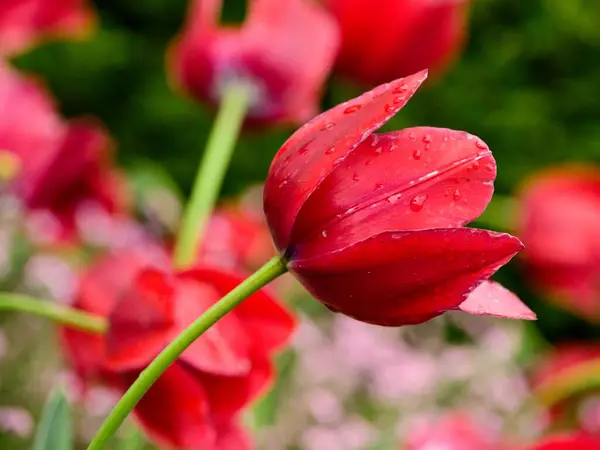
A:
x: 267, y: 273
x: 212, y: 169
x: 64, y: 315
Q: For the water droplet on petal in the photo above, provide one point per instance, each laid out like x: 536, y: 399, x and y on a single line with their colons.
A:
x: 489, y: 167
x: 378, y: 150
x: 475, y: 165
x: 481, y: 145
x: 327, y: 126
x: 456, y: 195
x: 355, y: 176
x: 330, y: 150
x: 352, y: 109
x: 389, y: 108
x: 394, y: 198
x: 304, y: 150
x: 283, y: 183
x: 398, y: 100
x: 412, y: 136
x: 427, y: 139
x: 379, y: 186
x: 400, y: 89
x: 368, y: 162
x: 417, y: 202
x: 417, y: 154
x: 324, y: 233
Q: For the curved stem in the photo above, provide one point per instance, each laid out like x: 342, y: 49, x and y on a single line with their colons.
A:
x: 62, y: 314
x: 212, y: 169
x: 271, y: 270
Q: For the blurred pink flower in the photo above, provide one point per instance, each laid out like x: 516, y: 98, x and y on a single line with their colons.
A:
x: 454, y: 432
x: 24, y: 23
x: 16, y: 420
x: 61, y: 165
x: 284, y: 51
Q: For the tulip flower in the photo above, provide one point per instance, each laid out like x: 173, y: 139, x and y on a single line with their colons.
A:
x: 60, y: 166
x: 576, y: 441
x: 237, y: 237
x: 386, y: 39
x: 560, y: 379
x: 373, y: 224
x: 559, y: 219
x: 283, y: 51
x: 25, y: 22
x: 196, y: 402
x: 455, y: 432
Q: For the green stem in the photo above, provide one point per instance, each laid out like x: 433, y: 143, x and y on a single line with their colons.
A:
x: 62, y: 314
x: 211, y: 171
x: 267, y: 273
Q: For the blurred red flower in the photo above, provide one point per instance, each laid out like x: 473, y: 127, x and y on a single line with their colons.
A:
x: 284, y: 51
x: 60, y: 166
x: 237, y: 237
x: 559, y: 219
x: 25, y: 22
x: 454, y: 432
x: 386, y: 39
x: 560, y: 372
x: 373, y: 224
x: 196, y: 402
x: 568, y: 442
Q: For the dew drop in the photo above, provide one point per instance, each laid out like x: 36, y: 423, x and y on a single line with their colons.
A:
x: 394, y: 198
x: 379, y: 186
x: 417, y: 202
x: 399, y: 100
x: 456, y: 195
x: 324, y: 233
x: 417, y: 154
x: 400, y: 89
x: 389, y: 108
x: 327, y: 126
x: 378, y: 150
x: 475, y: 165
x: 330, y: 150
x: 368, y: 162
x: 283, y: 183
x: 352, y: 109
x: 412, y: 136
x: 489, y: 167
x: 355, y: 176
x: 303, y: 150
x: 427, y: 147
x: 481, y: 145
x: 427, y: 139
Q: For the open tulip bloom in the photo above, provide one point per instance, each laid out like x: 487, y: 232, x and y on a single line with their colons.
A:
x: 373, y: 225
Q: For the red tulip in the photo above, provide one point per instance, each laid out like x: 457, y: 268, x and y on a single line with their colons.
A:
x: 455, y: 432
x: 386, y: 39
x: 62, y: 165
x: 284, y: 50
x: 25, y: 22
x: 237, y: 237
x: 373, y: 224
x: 568, y: 442
x: 196, y: 402
x: 559, y: 222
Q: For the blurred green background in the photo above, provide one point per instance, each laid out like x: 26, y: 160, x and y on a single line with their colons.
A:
x: 528, y: 84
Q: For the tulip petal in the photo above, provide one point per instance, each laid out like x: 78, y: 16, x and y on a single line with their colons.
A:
x: 231, y: 436
x: 398, y: 278
x: 492, y: 299
x: 417, y: 178
x: 141, y: 322
x: 228, y: 395
x: 306, y: 158
x: 175, y: 411
x: 224, y: 348
x: 268, y: 323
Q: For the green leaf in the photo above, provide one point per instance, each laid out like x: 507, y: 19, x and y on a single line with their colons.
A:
x: 55, y: 430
